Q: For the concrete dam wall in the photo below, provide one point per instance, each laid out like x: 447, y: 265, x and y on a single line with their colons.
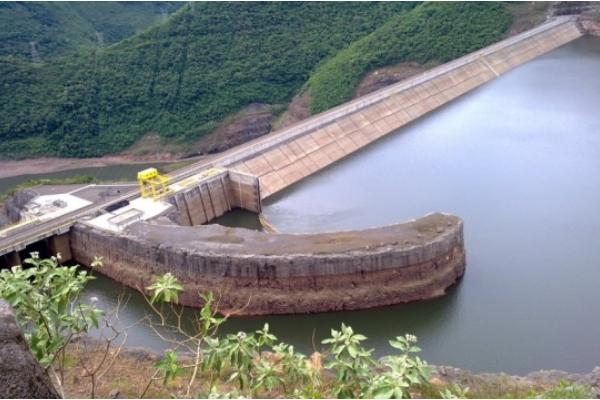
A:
x: 300, y: 151
x: 258, y: 273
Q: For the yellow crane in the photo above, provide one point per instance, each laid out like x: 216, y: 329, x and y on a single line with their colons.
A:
x: 153, y: 184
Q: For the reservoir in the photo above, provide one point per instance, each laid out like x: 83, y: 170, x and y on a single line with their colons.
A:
x: 519, y: 161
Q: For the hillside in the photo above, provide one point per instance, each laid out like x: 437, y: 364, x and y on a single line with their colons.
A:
x: 37, y: 31
x: 208, y: 61
x: 430, y: 33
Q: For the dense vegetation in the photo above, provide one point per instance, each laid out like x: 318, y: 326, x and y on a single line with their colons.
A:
x: 433, y: 32
x: 59, y: 27
x: 210, y: 60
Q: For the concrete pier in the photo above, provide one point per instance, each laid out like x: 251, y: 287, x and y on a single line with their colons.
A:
x: 211, y: 198
x: 60, y: 244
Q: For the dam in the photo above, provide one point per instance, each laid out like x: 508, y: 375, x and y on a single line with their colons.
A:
x: 526, y: 187
x: 244, y: 270
x: 271, y: 211
x: 244, y: 176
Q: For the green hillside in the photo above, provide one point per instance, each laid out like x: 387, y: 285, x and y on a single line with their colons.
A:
x: 433, y: 32
x: 57, y: 28
x: 209, y: 60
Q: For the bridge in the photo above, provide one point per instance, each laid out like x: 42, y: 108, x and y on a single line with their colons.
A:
x: 260, y: 168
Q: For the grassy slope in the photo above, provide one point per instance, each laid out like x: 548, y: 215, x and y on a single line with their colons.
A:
x: 61, y: 27
x: 209, y: 60
x: 433, y: 32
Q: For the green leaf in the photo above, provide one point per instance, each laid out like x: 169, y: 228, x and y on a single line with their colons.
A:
x: 165, y: 288
x: 384, y: 392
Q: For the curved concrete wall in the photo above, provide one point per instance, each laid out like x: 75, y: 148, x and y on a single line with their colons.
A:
x: 260, y: 273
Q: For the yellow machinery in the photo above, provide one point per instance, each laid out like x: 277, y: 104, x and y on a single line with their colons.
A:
x: 153, y: 184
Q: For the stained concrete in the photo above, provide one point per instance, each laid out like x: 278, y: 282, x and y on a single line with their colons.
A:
x: 259, y: 273
x: 211, y: 198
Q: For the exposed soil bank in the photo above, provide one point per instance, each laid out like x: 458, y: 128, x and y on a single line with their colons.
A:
x: 386, y: 76
x: 256, y: 273
x: 10, y: 168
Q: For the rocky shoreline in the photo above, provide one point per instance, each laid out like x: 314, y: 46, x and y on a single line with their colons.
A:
x: 480, y: 385
x: 498, y: 384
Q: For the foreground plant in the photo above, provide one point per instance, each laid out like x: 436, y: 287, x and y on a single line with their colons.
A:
x: 256, y: 364
x: 564, y: 390
x: 45, y: 297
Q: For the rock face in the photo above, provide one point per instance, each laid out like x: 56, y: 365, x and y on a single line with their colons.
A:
x: 498, y: 384
x: 588, y: 12
x: 11, y: 210
x: 572, y: 7
x: 591, y: 23
x: 21, y: 376
x: 254, y: 273
x: 253, y: 121
x: 4, y: 221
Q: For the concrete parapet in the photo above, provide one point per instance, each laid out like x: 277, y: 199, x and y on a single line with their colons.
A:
x: 261, y: 273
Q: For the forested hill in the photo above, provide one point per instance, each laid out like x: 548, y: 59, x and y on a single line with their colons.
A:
x: 37, y: 31
x: 209, y: 60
